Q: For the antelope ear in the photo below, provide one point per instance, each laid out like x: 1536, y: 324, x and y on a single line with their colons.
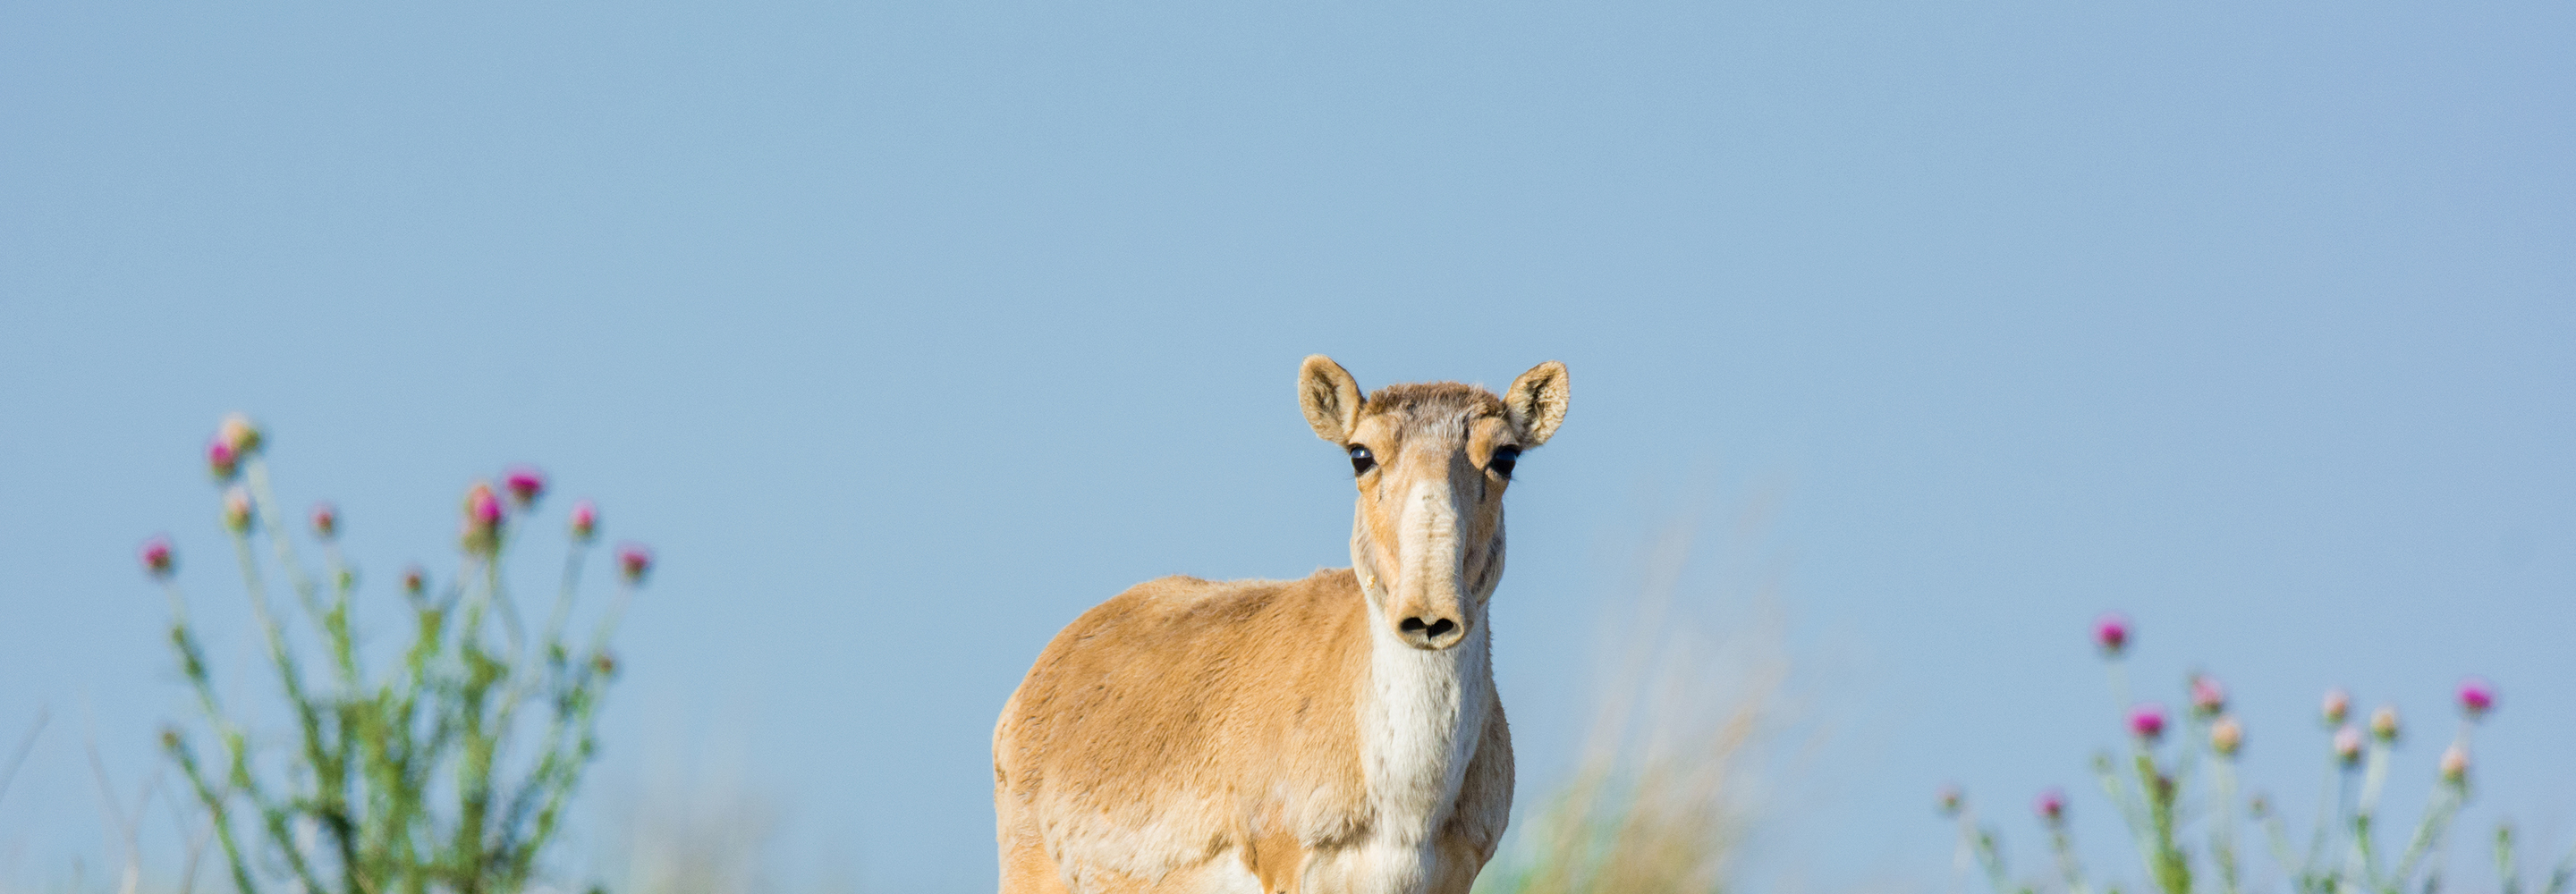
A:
x: 1536, y: 402
x: 1330, y: 397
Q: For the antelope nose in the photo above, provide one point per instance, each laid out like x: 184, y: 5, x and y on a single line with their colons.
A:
x: 1430, y: 633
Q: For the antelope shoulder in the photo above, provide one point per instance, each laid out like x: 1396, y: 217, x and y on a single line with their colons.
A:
x: 1170, y: 728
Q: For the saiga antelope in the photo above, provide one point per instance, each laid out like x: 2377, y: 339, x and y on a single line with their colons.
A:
x: 1334, y: 734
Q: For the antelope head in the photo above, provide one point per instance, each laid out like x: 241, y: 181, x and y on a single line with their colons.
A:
x: 1431, y: 462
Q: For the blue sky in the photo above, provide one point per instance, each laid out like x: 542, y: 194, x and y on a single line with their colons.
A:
x: 906, y: 332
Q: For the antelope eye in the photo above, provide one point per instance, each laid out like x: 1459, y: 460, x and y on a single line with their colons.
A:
x: 1504, y: 459
x: 1361, y: 460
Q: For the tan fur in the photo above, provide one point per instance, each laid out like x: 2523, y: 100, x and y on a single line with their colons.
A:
x: 1260, y: 737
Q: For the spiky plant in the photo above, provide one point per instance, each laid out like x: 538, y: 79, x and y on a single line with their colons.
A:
x: 402, y: 779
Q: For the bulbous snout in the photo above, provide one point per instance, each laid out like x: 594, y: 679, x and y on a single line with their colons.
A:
x: 1432, y: 631
x: 1427, y: 607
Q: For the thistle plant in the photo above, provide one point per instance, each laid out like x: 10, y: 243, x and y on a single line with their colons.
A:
x: 404, y: 778
x: 2169, y: 797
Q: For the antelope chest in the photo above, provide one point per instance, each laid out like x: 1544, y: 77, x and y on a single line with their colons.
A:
x: 1420, y: 725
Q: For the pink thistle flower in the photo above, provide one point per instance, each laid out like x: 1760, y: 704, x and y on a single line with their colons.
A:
x: 2477, y: 697
x: 526, y: 484
x: 2383, y: 723
x: 2051, y: 806
x: 158, y: 558
x: 2208, y: 696
x: 2347, y: 745
x: 2147, y: 721
x: 634, y: 560
x: 326, y: 520
x: 240, y: 434
x: 2337, y: 706
x: 482, y: 527
x: 2112, y: 634
x: 1951, y: 799
x: 585, y: 521
x: 222, y: 461
x: 482, y: 508
x: 2455, y: 764
x: 2226, y: 736
x: 237, y: 510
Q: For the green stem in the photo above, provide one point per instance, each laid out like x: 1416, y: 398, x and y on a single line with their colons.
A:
x: 2445, y: 805
x: 214, y: 803
x: 2222, y: 845
x: 256, y: 470
x: 1990, y: 855
x: 2328, y: 813
x: 608, y: 622
x: 583, y: 704
x: 2374, y: 777
x: 2278, y: 833
x: 2136, y: 805
x: 470, y: 855
x: 2508, y: 876
x: 2165, y: 861
x: 564, y: 598
x: 2067, y: 869
x: 1965, y: 851
x: 192, y: 657
x: 337, y: 625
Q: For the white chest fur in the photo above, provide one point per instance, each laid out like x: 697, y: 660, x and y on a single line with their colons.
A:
x: 1420, y: 721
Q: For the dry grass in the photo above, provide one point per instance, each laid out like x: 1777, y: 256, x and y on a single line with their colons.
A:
x: 697, y: 832
x: 1662, y: 796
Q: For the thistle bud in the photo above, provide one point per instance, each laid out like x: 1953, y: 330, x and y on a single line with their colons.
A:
x: 2111, y: 633
x: 158, y: 558
x: 482, y: 525
x: 222, y: 461
x: 237, y: 510
x: 1951, y: 799
x: 240, y: 434
x: 2383, y: 723
x: 326, y: 520
x: 526, y: 484
x: 2477, y: 697
x: 481, y: 507
x: 2455, y: 764
x: 170, y: 738
x: 2208, y: 697
x: 634, y: 560
x: 2337, y: 706
x: 415, y: 582
x: 585, y: 521
x: 2051, y: 806
x: 2147, y: 721
x: 2226, y: 736
x: 605, y: 664
x: 2347, y: 745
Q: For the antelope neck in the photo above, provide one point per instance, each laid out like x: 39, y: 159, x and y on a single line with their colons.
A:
x: 1422, y: 713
